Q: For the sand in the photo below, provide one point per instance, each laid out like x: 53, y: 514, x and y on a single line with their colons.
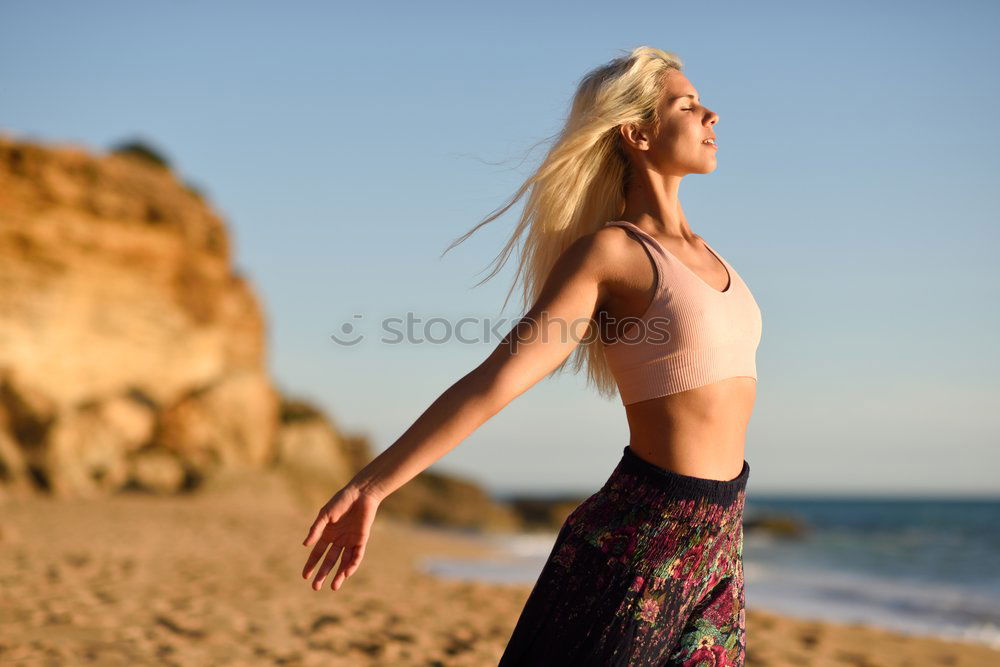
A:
x: 215, y: 579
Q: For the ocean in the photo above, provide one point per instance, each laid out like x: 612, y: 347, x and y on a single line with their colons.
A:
x: 921, y: 566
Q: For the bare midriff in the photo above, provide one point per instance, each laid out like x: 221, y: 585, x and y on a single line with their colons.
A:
x: 700, y: 432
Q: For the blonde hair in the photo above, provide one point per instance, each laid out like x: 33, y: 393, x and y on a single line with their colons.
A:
x: 581, y: 183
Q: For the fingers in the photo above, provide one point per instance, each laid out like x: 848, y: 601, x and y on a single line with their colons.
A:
x: 324, y: 569
x: 314, y: 556
x: 316, y: 529
x: 348, y: 565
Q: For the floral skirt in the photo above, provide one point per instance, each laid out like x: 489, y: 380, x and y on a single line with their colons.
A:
x: 646, y: 571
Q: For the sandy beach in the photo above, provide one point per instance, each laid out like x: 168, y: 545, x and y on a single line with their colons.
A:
x: 214, y: 578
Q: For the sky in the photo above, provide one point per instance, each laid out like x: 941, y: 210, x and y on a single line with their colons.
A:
x: 347, y: 144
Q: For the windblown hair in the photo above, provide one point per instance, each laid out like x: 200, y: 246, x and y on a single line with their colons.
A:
x: 581, y: 183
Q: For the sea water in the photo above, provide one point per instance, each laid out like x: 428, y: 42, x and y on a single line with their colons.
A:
x: 922, y: 566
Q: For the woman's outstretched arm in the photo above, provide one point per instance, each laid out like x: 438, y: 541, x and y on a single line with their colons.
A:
x: 535, y: 345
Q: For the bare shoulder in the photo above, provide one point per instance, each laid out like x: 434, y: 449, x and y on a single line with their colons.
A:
x: 604, y: 249
x: 609, y: 254
x: 601, y: 259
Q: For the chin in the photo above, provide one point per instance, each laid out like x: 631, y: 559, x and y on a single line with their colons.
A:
x: 708, y: 169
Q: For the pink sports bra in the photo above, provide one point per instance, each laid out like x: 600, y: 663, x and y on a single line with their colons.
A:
x: 691, y: 335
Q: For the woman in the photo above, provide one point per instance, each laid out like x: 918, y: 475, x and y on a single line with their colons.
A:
x: 648, y: 570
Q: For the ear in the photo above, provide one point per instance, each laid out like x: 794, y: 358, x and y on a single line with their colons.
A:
x: 634, y: 136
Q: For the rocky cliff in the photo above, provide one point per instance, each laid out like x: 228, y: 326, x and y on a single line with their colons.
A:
x: 132, y: 353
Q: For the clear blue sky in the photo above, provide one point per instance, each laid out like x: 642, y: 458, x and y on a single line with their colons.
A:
x: 348, y: 144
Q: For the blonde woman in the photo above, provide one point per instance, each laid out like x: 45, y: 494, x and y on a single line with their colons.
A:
x: 648, y: 570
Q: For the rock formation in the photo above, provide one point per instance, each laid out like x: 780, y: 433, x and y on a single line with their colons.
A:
x: 132, y: 353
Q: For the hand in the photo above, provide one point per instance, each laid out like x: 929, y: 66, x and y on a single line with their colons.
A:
x: 344, y: 523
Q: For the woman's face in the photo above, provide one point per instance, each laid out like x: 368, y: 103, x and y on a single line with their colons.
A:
x: 679, y: 147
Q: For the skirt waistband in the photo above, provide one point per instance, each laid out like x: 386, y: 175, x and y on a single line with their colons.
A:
x: 685, y: 486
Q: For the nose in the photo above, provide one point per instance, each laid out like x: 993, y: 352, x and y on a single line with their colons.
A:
x: 713, y: 118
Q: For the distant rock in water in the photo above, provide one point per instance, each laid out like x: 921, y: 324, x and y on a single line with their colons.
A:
x: 780, y: 525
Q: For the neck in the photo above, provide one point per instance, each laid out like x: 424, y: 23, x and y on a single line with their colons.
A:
x: 653, y: 199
